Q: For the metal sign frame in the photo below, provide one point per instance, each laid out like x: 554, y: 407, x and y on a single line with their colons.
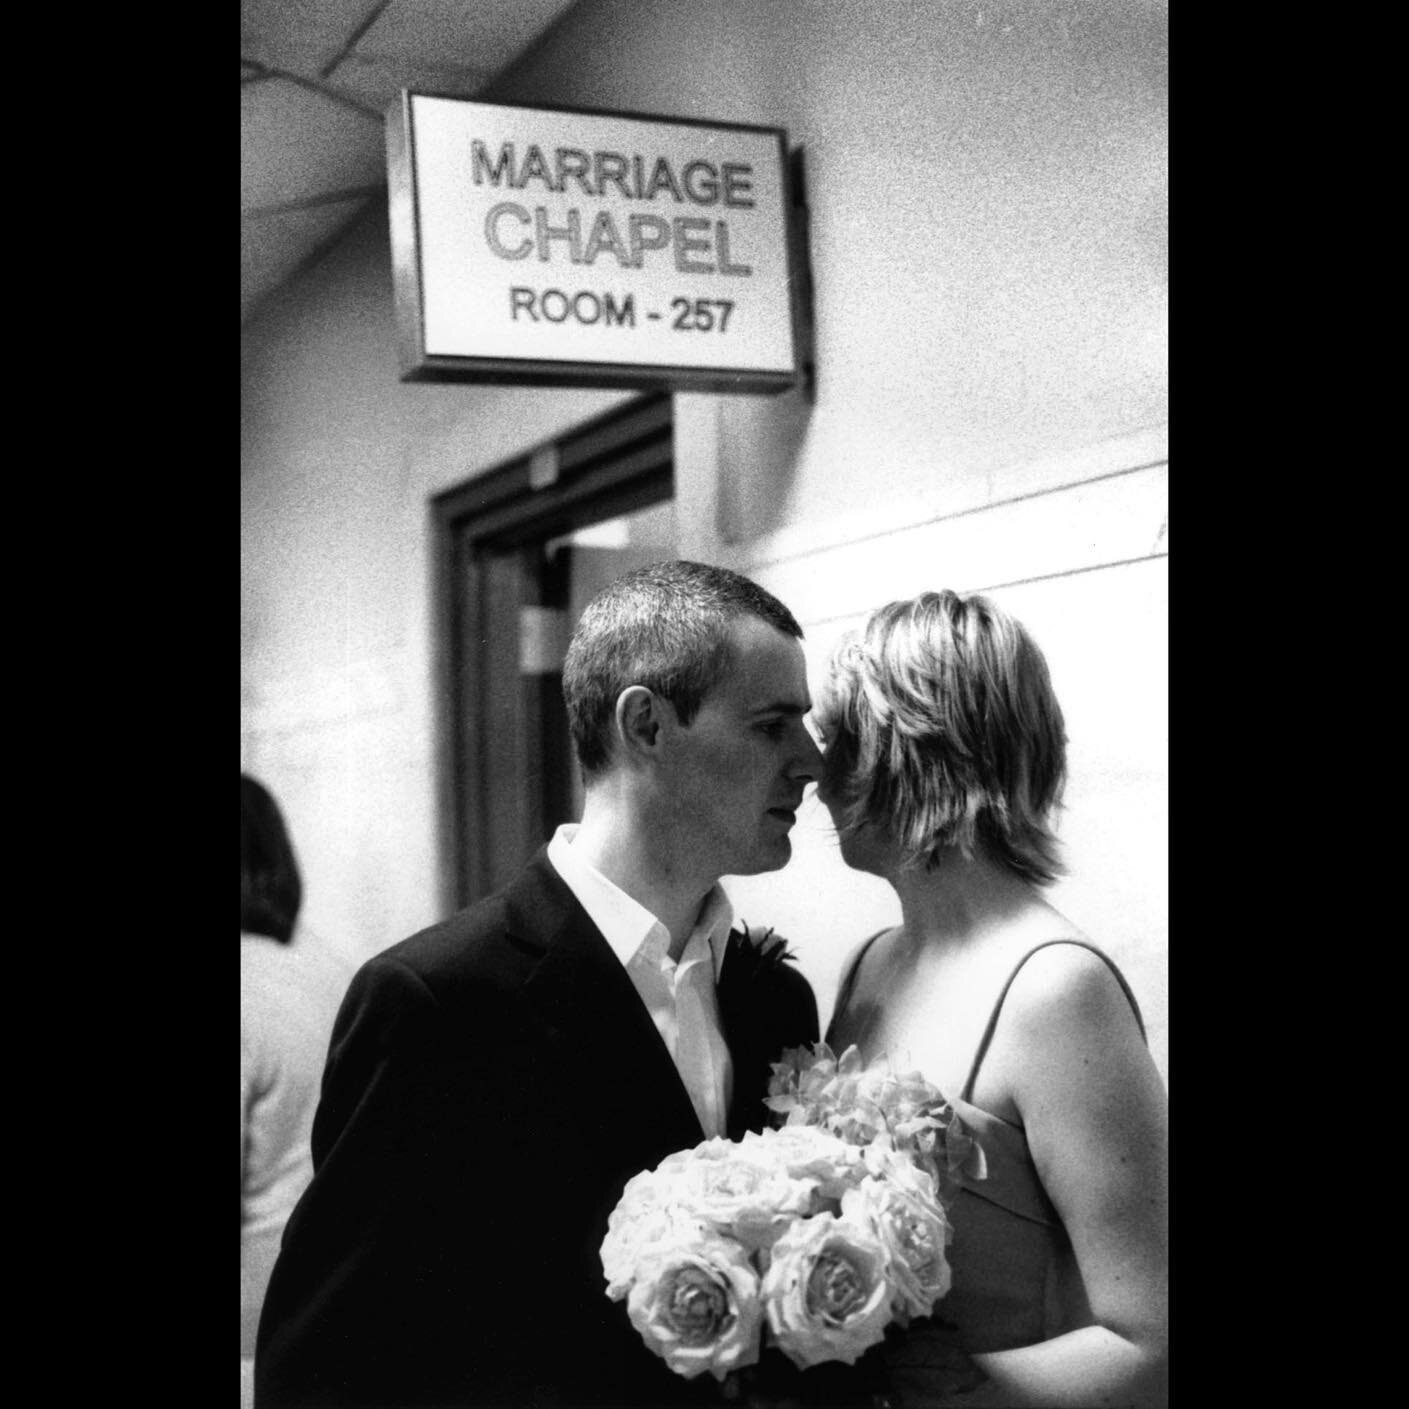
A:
x: 788, y: 262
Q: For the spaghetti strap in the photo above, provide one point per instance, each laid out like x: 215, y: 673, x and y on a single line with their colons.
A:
x: 849, y: 980
x: 968, y: 1091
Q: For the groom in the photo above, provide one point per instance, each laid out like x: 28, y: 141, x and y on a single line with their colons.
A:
x: 495, y: 1080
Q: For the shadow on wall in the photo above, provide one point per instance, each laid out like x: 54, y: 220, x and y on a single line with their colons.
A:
x: 761, y: 440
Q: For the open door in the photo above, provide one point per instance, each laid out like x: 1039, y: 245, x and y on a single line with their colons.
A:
x: 523, y: 548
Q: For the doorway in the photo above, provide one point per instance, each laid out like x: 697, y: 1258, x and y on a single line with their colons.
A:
x: 521, y: 550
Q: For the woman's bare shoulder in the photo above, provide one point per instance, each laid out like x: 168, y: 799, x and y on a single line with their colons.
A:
x: 1066, y: 985
x: 1073, y: 1045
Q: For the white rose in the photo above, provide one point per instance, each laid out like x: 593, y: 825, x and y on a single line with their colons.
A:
x: 632, y: 1240
x: 646, y: 1213
x: 743, y: 1191
x: 696, y: 1304
x: 884, y: 1162
x: 810, y: 1153
x: 914, y: 1233
x: 825, y: 1293
x: 714, y: 1148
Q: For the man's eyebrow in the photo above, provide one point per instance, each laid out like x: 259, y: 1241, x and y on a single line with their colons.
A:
x: 789, y: 707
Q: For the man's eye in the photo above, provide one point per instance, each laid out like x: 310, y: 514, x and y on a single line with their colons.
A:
x: 774, y: 728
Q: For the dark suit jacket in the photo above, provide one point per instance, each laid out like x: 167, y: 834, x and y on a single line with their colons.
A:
x: 491, y: 1085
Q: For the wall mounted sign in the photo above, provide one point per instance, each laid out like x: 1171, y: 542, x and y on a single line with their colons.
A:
x: 551, y: 246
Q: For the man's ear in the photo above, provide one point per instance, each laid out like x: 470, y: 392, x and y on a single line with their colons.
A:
x: 639, y: 716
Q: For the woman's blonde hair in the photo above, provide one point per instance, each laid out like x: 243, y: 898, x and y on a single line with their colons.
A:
x: 942, y: 730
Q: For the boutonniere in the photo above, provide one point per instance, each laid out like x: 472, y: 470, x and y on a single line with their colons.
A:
x: 753, y: 954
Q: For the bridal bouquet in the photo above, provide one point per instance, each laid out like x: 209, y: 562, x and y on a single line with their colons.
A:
x: 813, y: 1237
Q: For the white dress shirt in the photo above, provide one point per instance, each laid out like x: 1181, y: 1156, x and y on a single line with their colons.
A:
x: 678, y: 994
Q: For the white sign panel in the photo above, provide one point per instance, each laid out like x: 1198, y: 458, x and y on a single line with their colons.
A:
x: 553, y: 246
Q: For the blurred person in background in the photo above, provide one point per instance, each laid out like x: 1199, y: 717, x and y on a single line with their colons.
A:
x: 290, y: 989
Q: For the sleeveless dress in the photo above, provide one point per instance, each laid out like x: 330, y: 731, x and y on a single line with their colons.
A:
x: 1015, y: 1278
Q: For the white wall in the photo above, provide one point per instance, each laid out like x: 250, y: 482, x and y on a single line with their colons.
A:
x: 986, y: 184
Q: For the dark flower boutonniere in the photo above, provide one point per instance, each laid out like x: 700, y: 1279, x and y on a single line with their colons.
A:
x: 763, y: 1008
x: 755, y: 953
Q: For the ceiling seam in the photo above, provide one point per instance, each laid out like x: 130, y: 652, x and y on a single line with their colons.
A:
x: 323, y: 91
x: 349, y: 193
x: 355, y: 38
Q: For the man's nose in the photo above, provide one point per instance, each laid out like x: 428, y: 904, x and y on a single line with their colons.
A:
x: 807, y: 763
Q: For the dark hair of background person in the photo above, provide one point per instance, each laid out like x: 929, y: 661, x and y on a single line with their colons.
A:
x: 271, y: 889
x: 663, y: 626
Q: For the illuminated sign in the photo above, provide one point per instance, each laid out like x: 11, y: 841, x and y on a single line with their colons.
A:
x: 557, y: 247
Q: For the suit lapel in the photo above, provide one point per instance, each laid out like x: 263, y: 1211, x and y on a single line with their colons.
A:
x: 740, y: 1032
x: 582, y: 993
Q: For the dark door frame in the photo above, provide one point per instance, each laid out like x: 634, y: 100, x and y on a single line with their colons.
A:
x: 496, y: 765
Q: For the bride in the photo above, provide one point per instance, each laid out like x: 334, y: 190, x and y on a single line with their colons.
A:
x: 944, y: 759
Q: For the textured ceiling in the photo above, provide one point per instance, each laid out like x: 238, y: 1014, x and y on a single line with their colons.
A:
x: 316, y: 80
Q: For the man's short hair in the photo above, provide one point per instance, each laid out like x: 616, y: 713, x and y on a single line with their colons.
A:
x: 942, y: 730
x: 664, y: 626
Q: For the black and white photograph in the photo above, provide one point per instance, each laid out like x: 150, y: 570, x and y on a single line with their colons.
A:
x: 704, y: 704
